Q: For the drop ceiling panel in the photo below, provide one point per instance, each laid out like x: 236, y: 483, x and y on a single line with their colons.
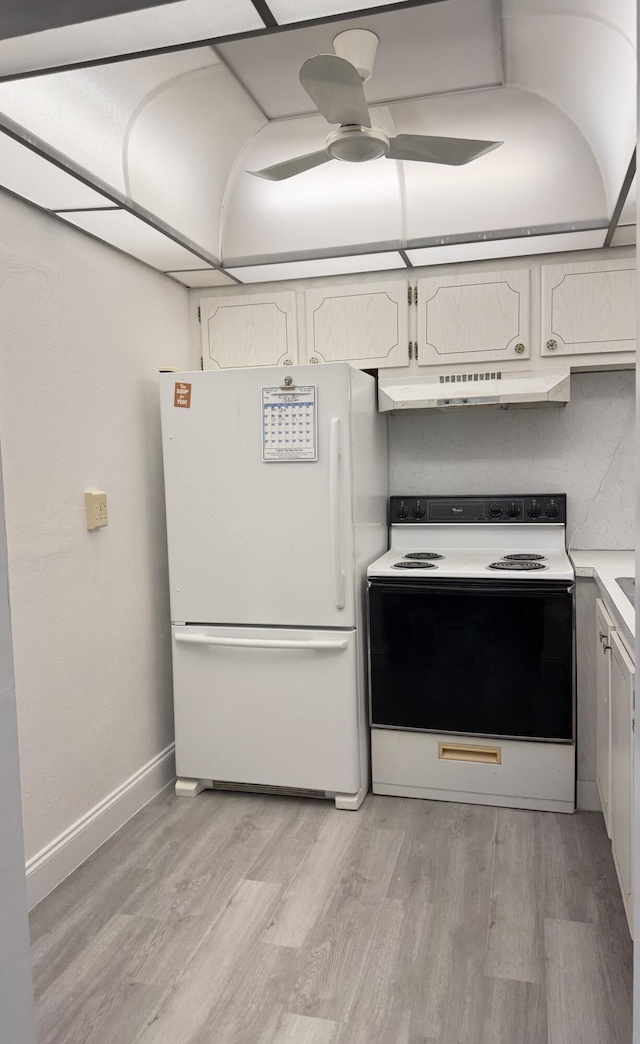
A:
x: 321, y: 267
x: 165, y: 26
x: 285, y: 11
x: 19, y: 19
x: 85, y: 113
x: 423, y: 50
x: 543, y: 174
x: 624, y: 235
x: 494, y: 248
x: 36, y: 179
x: 203, y: 277
x: 587, y: 69
x: 628, y: 215
x: 339, y: 206
x: 127, y: 232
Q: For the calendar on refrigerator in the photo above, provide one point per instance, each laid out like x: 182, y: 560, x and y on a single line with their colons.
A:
x: 289, y: 424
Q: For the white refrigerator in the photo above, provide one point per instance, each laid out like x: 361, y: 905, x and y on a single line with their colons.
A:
x: 276, y: 501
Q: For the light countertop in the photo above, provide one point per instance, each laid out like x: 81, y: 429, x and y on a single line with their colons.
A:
x: 604, y: 567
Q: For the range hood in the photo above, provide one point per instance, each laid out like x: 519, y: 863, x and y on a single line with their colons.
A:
x: 499, y: 389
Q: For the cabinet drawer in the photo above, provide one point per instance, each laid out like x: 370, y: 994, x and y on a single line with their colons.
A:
x: 521, y: 775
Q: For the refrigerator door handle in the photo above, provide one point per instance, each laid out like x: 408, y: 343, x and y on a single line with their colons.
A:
x: 334, y: 509
x: 258, y: 643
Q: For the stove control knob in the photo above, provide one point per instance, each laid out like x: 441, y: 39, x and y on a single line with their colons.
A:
x: 513, y: 510
x: 418, y: 510
x: 495, y: 510
x: 534, y: 510
x: 402, y: 511
x: 552, y: 509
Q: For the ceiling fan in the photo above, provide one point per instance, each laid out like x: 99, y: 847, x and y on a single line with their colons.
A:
x: 334, y: 84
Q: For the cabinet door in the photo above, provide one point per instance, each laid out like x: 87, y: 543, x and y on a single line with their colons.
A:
x: 475, y: 318
x: 588, y: 308
x: 248, y: 330
x: 604, y: 628
x: 365, y: 325
x: 621, y: 797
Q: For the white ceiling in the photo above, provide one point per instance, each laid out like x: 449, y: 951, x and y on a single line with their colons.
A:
x: 384, y: 262
x: 286, y: 11
x: 628, y: 215
x: 85, y: 113
x: 36, y: 179
x: 516, y: 247
x: 128, y: 233
x: 585, y: 65
x: 442, y: 47
x: 530, y: 180
x: 168, y: 25
x: 174, y: 134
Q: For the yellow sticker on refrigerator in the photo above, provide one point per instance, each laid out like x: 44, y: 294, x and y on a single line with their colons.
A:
x: 289, y: 424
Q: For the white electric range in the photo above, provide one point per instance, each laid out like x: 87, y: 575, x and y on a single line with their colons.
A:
x: 471, y: 644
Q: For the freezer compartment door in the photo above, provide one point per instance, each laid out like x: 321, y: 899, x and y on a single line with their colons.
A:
x: 251, y: 541
x: 276, y: 707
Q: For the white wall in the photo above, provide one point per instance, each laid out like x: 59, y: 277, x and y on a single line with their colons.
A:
x: 16, y: 995
x: 83, y: 331
x: 585, y: 450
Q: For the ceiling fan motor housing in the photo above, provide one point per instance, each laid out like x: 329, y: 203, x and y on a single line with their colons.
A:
x: 353, y: 144
x: 359, y: 47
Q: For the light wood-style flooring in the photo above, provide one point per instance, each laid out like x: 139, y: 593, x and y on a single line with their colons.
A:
x: 249, y: 919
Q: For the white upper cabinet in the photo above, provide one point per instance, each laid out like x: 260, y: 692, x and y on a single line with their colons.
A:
x: 475, y: 318
x: 249, y: 330
x: 588, y: 307
x: 366, y: 325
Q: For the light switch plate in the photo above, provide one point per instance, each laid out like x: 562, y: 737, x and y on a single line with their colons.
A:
x: 96, y: 507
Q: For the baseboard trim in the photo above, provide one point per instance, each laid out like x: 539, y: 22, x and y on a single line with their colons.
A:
x: 587, y: 796
x: 46, y: 870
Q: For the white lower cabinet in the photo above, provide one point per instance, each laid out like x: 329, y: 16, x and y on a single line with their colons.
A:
x: 621, y: 795
x: 615, y: 724
x: 604, y: 629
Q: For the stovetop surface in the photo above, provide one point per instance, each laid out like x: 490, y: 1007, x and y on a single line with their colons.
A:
x: 475, y: 563
x: 472, y: 543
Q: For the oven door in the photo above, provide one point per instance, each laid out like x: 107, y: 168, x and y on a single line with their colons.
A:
x: 487, y: 658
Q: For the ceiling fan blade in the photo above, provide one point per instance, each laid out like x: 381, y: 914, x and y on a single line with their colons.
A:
x: 334, y: 85
x: 427, y: 149
x: 289, y: 168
